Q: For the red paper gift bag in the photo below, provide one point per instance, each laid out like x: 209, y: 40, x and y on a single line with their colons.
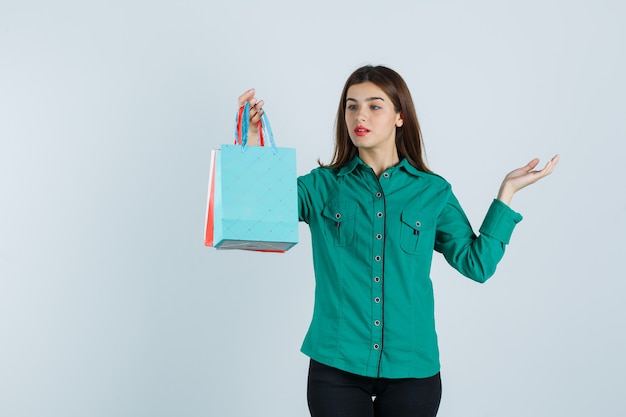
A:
x: 209, y: 225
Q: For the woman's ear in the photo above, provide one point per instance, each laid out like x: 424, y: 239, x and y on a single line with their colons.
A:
x: 399, y: 121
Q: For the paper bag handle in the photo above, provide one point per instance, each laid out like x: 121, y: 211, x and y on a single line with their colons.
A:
x: 241, y: 128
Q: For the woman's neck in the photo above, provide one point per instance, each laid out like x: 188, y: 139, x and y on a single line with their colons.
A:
x: 379, y: 160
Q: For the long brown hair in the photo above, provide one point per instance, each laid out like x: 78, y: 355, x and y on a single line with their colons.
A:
x: 408, y: 136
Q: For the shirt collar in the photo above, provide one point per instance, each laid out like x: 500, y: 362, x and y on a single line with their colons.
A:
x: 404, y: 164
x: 350, y: 166
x: 356, y: 161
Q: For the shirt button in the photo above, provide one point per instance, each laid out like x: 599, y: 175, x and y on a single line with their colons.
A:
x: 376, y: 322
x: 379, y: 236
x: 378, y: 195
x: 377, y: 300
x: 386, y: 175
x: 376, y: 279
x: 376, y: 347
x: 338, y: 216
x: 378, y: 258
x: 418, y: 223
x: 379, y: 214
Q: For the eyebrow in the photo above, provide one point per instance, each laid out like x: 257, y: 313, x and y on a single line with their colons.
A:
x: 367, y: 99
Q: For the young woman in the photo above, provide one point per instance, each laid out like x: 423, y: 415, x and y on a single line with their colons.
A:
x: 376, y: 215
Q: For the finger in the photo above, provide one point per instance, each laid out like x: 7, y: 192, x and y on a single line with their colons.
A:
x: 532, y: 164
x: 526, y: 169
x: 256, y: 111
x: 256, y: 105
x: 247, y: 96
x: 254, y: 120
x: 553, y: 162
x: 549, y: 167
x: 545, y: 170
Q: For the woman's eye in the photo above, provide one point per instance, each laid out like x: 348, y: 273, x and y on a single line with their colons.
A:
x: 351, y: 106
x: 374, y: 107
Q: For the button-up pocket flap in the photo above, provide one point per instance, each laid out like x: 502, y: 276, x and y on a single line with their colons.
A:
x: 339, y: 212
x: 417, y: 221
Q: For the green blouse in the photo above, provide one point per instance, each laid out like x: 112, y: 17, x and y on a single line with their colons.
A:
x: 373, y: 241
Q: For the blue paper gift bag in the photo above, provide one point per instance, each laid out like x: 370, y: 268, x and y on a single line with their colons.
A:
x: 254, y: 196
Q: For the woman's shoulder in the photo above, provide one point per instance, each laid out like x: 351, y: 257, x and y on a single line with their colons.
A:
x: 430, y: 177
x: 319, y: 174
x: 318, y: 184
x: 434, y: 177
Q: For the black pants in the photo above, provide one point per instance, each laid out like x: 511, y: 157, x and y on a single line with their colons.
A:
x: 335, y: 393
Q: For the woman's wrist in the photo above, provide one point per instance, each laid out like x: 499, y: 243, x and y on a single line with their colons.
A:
x: 253, y: 138
x: 505, y: 194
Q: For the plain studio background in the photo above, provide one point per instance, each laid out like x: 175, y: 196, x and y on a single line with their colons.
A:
x: 110, y: 305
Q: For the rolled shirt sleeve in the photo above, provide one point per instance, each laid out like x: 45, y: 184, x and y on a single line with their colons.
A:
x: 500, y: 221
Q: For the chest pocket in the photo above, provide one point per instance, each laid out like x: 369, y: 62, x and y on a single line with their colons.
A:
x: 339, y: 222
x: 417, y: 233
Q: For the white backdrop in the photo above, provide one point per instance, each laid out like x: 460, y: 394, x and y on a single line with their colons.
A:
x: 110, y: 305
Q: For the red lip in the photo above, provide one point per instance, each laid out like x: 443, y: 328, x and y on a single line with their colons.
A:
x: 361, y: 131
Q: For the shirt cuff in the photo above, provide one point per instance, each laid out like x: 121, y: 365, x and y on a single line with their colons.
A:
x: 500, y: 221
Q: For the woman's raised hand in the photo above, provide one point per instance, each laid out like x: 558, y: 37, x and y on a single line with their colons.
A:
x: 524, y: 176
x: 256, y: 110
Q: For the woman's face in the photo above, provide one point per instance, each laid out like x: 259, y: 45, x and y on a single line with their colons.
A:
x: 371, y: 118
